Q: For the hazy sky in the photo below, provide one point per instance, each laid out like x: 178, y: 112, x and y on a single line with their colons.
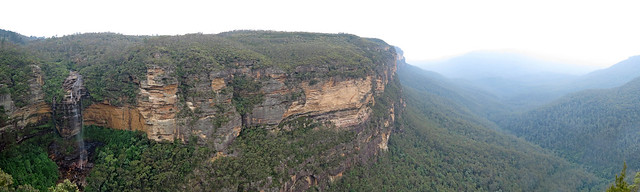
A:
x: 587, y: 32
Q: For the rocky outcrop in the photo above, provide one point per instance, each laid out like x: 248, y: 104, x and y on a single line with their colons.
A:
x: 22, y: 120
x: 157, y: 103
x: 207, y: 104
x: 341, y: 102
x: 6, y: 102
x: 212, y: 88
x: 68, y: 113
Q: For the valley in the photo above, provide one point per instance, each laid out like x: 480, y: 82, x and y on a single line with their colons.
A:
x: 296, y: 111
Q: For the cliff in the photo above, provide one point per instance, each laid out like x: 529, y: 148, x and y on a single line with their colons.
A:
x: 68, y: 112
x: 22, y: 121
x: 178, y: 99
x: 215, y: 88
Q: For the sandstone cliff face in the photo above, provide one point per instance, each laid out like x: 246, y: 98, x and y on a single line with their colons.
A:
x: 340, y: 102
x: 157, y: 104
x: 215, y: 88
x: 22, y: 119
x: 202, y: 104
x: 122, y: 118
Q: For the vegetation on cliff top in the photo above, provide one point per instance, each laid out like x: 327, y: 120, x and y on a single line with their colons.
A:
x: 114, y: 65
x: 15, y: 73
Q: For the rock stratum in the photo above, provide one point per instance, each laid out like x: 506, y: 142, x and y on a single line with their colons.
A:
x: 212, y: 87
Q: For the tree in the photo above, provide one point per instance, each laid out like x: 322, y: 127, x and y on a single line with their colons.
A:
x: 65, y: 186
x: 5, y: 181
x: 620, y: 185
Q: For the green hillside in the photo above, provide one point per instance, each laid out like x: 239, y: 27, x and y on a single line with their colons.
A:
x: 443, y: 146
x: 597, y: 128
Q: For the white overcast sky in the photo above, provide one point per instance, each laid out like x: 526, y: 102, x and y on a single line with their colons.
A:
x: 586, y: 32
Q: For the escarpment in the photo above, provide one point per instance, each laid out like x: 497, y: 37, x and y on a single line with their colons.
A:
x: 21, y: 121
x: 216, y: 89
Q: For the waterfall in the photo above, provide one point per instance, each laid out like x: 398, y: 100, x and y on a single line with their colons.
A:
x: 77, y: 124
x: 69, y: 123
x: 77, y: 120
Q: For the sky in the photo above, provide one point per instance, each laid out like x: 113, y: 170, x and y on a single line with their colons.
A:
x: 596, y: 33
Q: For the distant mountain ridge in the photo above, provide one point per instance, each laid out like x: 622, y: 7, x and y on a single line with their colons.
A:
x: 448, y: 144
x: 491, y: 64
x: 616, y: 75
x: 525, y: 82
x: 13, y: 37
x: 598, y: 128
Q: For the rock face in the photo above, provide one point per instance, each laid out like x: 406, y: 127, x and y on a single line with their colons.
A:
x: 6, y: 102
x: 36, y: 112
x: 122, y: 118
x: 213, y: 87
x: 207, y: 104
x: 157, y: 103
x: 341, y: 102
x: 68, y: 114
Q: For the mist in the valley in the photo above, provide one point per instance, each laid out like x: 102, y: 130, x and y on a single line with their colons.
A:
x: 525, y: 81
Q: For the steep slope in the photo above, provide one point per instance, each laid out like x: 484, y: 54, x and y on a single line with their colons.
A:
x: 22, y: 101
x: 525, y: 83
x: 596, y: 128
x: 442, y: 145
x: 518, y: 80
x: 614, y: 76
x: 477, y: 100
x: 495, y: 64
x: 317, y: 103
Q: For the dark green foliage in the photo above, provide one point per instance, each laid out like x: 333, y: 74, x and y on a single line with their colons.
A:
x: 13, y: 37
x: 113, y: 65
x: 595, y: 128
x: 110, y: 64
x: 15, y: 73
x: 130, y: 162
x: 263, y: 154
x: 219, y: 120
x: 29, y: 164
x: 445, y: 146
x: 3, y: 117
x: 289, y: 50
x: 55, y: 73
x: 246, y: 94
x: 462, y: 95
x: 442, y: 150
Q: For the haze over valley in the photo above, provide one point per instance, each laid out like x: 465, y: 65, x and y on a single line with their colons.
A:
x: 320, y: 96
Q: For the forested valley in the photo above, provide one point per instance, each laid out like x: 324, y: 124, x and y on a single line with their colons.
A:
x: 444, y: 134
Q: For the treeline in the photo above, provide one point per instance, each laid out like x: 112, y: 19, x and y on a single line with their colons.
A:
x: 444, y: 146
x: 113, y: 65
x: 595, y: 128
x: 13, y: 37
x: 16, y: 72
